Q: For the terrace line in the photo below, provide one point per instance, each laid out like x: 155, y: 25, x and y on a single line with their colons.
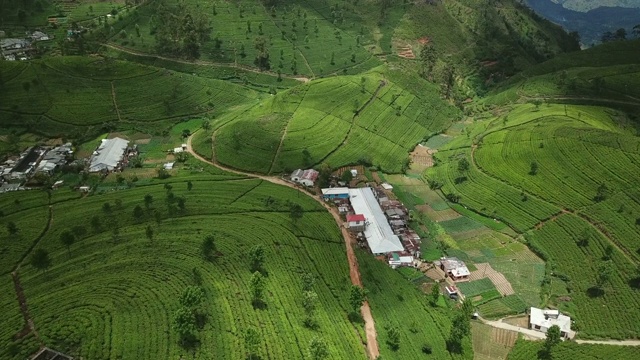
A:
x: 379, y: 235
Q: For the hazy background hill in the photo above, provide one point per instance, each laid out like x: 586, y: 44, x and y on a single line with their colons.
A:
x: 590, y: 18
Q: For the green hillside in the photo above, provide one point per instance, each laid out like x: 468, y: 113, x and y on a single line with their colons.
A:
x: 566, y: 176
x: 76, y: 96
x: 368, y: 119
x: 124, y: 287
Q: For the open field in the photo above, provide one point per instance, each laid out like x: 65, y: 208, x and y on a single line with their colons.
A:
x: 491, y: 343
x: 112, y: 285
x: 73, y: 96
x: 341, y: 121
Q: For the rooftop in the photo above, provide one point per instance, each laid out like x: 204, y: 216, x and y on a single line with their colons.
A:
x: 335, y: 191
x: 547, y: 318
x: 108, y: 154
x: 356, y: 218
x: 379, y: 235
x: 456, y: 266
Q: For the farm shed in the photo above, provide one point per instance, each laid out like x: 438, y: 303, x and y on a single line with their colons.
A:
x: 335, y: 193
x: 108, y: 155
x: 305, y: 177
x: 455, y: 268
x: 49, y: 354
x: 396, y: 260
x: 378, y: 233
x: 356, y: 222
x: 541, y: 320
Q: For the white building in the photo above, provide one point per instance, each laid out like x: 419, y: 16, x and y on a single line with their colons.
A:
x: 305, y: 177
x: 542, y: 319
x: 378, y: 233
x: 108, y: 155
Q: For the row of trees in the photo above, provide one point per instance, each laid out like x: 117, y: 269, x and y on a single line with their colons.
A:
x: 620, y: 34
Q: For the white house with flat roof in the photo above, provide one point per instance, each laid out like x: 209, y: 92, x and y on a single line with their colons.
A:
x: 542, y: 319
x: 378, y: 233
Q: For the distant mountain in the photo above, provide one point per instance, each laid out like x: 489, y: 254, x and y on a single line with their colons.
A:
x: 592, y: 23
x: 586, y: 5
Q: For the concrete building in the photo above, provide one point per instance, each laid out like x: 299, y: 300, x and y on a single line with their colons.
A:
x: 305, y: 177
x: 356, y: 222
x: 380, y: 237
x: 108, y: 155
x: 542, y: 319
x: 335, y: 193
x: 454, y: 268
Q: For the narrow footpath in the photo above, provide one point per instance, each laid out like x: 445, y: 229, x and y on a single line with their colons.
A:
x: 369, y: 325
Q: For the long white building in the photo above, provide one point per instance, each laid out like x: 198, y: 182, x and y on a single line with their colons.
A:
x: 108, y: 154
x: 379, y: 235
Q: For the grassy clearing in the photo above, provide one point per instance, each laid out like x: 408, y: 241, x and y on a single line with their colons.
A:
x: 122, y: 282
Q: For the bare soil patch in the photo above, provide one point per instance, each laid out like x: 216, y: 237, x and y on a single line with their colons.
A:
x: 521, y: 320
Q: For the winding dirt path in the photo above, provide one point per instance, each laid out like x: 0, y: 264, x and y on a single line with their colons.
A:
x: 206, y: 63
x: 115, y: 103
x: 354, y: 272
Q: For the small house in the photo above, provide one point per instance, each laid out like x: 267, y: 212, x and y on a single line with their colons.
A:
x: 396, y: 260
x: 542, y: 319
x: 452, y: 292
x: 305, y: 177
x: 356, y: 222
x: 168, y: 166
x: 454, y: 268
x: 335, y: 193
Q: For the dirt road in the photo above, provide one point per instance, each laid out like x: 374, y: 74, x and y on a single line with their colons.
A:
x: 369, y: 325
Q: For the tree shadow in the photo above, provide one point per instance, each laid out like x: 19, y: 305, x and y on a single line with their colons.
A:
x: 259, y: 305
x: 635, y: 283
x: 594, y: 292
x: 253, y: 357
x: 544, y: 354
x: 454, y: 346
x: 356, y: 317
x: 201, y: 320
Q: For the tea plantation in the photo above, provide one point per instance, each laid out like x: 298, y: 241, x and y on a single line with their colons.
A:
x: 114, y: 292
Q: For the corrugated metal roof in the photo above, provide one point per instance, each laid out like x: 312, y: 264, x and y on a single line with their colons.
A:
x: 379, y: 235
x: 108, y: 154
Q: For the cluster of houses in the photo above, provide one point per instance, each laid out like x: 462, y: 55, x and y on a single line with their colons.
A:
x: 379, y: 224
x: 22, y: 48
x: 16, y: 170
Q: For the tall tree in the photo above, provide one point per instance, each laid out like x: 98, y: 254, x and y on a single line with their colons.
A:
x: 309, y: 300
x: 435, y: 294
x: 256, y: 286
x: 138, y: 213
x: 252, y: 341
x: 357, y: 296
x: 148, y: 200
x: 318, y: 349
x: 308, y: 281
x: 393, y: 338
x: 256, y: 258
x: 185, y: 324
x: 208, y: 248
x: 552, y: 339
x: 40, y: 259
x: 262, y: 55
x: 605, y: 271
x: 191, y: 298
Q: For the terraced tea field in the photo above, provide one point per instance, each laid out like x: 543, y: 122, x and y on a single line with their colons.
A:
x: 74, y: 95
x: 113, y: 293
x: 341, y: 121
